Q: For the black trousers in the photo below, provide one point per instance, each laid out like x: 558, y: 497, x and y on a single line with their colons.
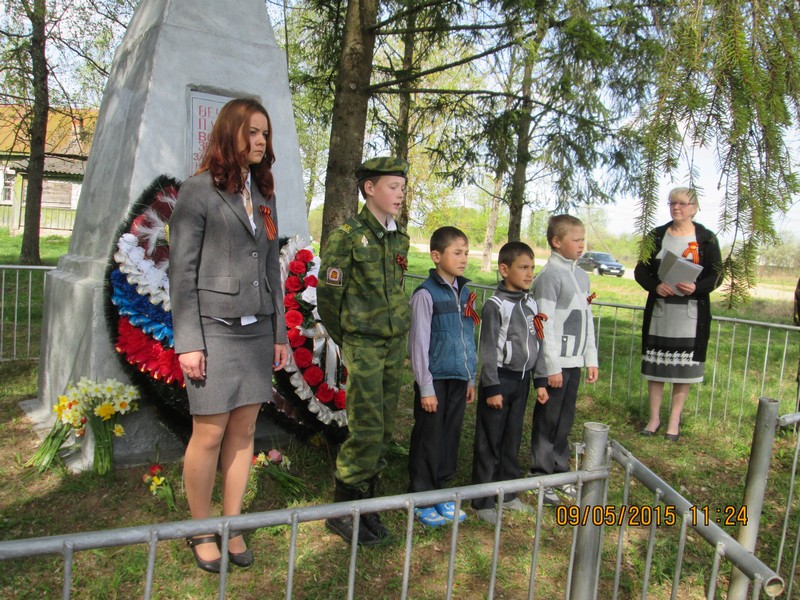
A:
x: 498, y: 435
x: 552, y: 422
x: 436, y: 436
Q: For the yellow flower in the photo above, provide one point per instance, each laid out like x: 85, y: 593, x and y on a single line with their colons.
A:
x: 61, y: 406
x: 119, y: 431
x: 105, y: 411
x: 155, y: 483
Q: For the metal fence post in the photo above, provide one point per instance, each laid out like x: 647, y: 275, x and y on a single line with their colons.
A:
x: 754, y: 487
x: 583, y: 583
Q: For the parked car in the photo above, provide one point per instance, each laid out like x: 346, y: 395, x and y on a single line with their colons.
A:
x: 601, y: 263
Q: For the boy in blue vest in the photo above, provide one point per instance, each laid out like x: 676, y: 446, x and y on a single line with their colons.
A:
x: 511, y: 354
x: 443, y: 358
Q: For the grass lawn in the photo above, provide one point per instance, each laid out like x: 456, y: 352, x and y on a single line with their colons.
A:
x: 708, y: 466
x: 50, y: 248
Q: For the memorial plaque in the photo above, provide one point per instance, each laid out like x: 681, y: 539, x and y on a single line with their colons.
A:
x: 203, y: 111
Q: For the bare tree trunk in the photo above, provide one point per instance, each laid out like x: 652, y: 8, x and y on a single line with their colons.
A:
x: 349, y: 116
x: 29, y: 254
x: 403, y: 122
x: 491, y: 226
x: 519, y: 179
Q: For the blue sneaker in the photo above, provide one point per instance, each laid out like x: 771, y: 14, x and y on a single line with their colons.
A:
x: 448, y: 511
x: 429, y: 517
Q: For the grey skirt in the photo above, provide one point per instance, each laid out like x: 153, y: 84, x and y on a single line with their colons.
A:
x: 238, y: 366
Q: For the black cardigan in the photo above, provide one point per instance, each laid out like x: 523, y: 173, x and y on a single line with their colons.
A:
x: 646, y: 275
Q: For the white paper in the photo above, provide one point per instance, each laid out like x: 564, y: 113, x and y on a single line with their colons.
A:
x: 675, y: 270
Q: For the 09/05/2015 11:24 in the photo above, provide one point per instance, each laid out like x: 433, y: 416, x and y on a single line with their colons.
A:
x: 645, y: 515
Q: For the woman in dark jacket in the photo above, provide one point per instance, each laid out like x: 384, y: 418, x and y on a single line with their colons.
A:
x: 677, y: 320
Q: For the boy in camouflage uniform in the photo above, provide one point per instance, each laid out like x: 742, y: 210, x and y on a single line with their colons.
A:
x: 362, y: 304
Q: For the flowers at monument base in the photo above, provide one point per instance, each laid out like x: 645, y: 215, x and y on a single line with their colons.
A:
x: 156, y: 481
x: 96, y: 404
x: 276, y: 466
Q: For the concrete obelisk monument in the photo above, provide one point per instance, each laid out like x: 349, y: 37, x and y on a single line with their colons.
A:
x: 179, y: 62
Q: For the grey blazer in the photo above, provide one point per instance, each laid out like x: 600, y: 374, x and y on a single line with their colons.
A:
x: 217, y: 266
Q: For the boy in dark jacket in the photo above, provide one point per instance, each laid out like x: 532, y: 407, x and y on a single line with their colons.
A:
x: 510, y: 351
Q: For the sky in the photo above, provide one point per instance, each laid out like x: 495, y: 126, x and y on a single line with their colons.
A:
x: 620, y: 218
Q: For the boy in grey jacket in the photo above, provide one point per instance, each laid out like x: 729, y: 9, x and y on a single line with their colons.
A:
x: 509, y: 351
x: 563, y: 292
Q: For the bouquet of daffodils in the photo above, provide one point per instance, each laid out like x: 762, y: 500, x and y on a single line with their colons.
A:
x: 89, y: 402
x: 276, y: 465
x: 158, y: 485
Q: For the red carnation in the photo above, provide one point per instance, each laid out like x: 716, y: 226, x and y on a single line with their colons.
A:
x: 303, y: 357
x: 298, y: 267
x: 156, y: 469
x: 313, y: 375
x: 325, y: 393
x: 296, y: 339
x: 289, y: 302
x: 304, y: 256
x: 310, y: 281
x: 293, y: 283
x: 293, y: 318
x: 339, y: 400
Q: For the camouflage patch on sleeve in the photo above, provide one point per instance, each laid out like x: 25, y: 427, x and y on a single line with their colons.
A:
x: 334, y: 276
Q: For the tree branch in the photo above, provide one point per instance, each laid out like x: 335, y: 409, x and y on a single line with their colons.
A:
x: 379, y: 86
x: 503, y: 25
x: 405, y: 13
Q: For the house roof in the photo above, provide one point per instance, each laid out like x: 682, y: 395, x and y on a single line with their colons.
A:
x: 69, y: 131
x: 71, y: 167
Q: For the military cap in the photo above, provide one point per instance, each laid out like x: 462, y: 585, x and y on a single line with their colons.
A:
x: 383, y: 165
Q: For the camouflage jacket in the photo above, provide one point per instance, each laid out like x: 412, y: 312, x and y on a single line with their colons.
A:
x: 360, y: 294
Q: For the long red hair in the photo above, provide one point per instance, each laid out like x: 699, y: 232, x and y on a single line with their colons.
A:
x: 221, y: 158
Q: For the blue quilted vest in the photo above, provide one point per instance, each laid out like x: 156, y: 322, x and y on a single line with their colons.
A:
x: 452, y: 353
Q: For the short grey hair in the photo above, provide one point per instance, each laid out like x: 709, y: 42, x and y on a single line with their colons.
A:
x: 690, y: 193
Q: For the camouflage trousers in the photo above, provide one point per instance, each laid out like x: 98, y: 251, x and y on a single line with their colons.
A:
x: 373, y: 390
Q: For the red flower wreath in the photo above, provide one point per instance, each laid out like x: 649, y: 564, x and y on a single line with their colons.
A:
x: 299, y: 315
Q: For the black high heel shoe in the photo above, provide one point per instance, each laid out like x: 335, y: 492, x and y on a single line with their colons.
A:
x: 240, y: 559
x: 211, y: 566
x: 646, y: 433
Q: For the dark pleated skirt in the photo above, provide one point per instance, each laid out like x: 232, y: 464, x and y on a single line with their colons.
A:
x: 669, y: 345
x: 238, y: 366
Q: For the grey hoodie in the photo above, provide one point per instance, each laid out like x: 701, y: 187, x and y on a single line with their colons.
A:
x: 508, y: 343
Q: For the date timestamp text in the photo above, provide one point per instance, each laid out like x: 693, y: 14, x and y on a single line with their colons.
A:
x: 645, y: 515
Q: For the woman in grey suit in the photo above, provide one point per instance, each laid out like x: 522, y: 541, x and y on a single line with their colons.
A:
x: 227, y: 306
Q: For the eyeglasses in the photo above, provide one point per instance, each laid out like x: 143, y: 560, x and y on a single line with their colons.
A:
x: 679, y: 204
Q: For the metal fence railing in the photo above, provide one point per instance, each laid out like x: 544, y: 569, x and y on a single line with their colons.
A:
x: 746, y: 359
x: 597, y: 528
x: 21, y: 310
